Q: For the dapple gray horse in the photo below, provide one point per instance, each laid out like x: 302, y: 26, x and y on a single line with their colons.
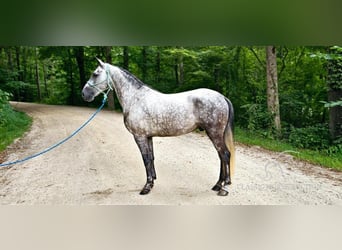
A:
x: 148, y: 113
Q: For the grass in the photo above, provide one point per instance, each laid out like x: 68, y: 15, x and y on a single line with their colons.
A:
x: 13, y: 124
x: 333, y: 161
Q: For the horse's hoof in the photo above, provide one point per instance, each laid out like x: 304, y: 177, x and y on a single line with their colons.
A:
x: 216, y: 188
x: 147, y: 188
x: 144, y: 191
x: 222, y: 192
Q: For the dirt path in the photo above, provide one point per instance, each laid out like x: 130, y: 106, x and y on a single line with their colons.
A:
x: 102, y: 165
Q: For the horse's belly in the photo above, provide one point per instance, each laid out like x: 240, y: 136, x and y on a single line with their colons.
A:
x: 165, y: 123
x: 173, y: 127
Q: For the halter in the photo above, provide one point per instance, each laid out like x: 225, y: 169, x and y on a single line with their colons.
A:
x: 109, y: 85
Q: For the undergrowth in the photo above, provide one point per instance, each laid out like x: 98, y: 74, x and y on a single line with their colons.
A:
x: 12, y: 123
x: 330, y: 157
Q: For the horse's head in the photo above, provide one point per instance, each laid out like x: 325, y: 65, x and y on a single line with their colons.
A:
x: 98, y: 83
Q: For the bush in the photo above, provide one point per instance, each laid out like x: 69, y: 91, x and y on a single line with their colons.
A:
x: 20, y: 90
x: 257, y: 118
x: 4, y: 106
x: 312, y: 137
x: 12, y: 123
x: 4, y: 97
x: 336, y: 147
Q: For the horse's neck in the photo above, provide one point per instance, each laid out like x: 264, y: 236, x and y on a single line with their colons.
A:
x: 123, y: 88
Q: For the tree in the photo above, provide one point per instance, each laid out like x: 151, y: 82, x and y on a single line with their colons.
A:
x: 179, y: 65
x: 9, y: 55
x: 108, y: 56
x: 79, y: 54
x: 70, y: 76
x: 144, y: 63
x: 125, y: 58
x: 17, y: 57
x: 37, y: 74
x: 272, y: 87
x: 334, y: 82
x: 157, y: 66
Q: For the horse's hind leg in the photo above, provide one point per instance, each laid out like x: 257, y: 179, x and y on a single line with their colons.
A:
x: 224, y: 179
x: 217, y: 187
x: 146, y: 149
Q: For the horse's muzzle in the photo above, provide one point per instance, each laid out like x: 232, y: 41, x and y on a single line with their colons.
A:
x: 88, y: 95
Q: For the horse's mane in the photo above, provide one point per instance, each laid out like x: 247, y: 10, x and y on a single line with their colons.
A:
x: 132, y: 78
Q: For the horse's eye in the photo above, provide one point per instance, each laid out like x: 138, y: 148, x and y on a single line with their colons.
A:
x: 95, y: 74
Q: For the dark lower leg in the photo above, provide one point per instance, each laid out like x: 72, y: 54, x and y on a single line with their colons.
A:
x: 146, y: 148
x: 217, y: 187
x: 225, y: 173
x: 150, y: 147
x: 150, y: 173
x: 217, y: 139
x: 153, y: 171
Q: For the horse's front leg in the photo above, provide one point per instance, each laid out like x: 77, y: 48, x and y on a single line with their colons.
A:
x: 144, y: 144
x: 150, y: 147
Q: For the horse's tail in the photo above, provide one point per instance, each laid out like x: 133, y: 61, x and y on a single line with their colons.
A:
x: 229, y: 139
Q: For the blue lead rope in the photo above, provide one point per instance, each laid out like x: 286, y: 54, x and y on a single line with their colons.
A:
x: 60, y: 142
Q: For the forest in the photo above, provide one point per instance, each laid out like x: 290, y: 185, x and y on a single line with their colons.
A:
x: 284, y: 93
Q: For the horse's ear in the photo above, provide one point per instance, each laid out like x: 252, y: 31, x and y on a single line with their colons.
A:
x: 100, y: 62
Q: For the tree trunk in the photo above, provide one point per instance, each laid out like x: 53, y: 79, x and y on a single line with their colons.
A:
x: 144, y: 63
x: 272, y: 87
x: 181, y: 70
x: 37, y: 76
x: 217, y: 77
x: 334, y: 81
x: 157, y: 78
x: 79, y: 53
x: 25, y: 51
x: 125, y: 58
x: 335, y: 114
x: 176, y: 71
x: 70, y: 76
x: 17, y: 57
x: 9, y: 58
x: 108, y: 56
x: 45, y: 80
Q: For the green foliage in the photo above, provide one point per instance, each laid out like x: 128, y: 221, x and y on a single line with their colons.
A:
x: 331, y: 157
x: 20, y: 90
x: 335, y: 149
x: 4, y: 107
x: 335, y: 74
x: 59, y: 89
x: 257, y: 119
x: 311, y: 137
x: 4, y: 97
x: 6, y: 75
x: 302, y: 87
x: 332, y: 104
x: 16, y: 123
x: 333, y: 57
x: 12, y: 123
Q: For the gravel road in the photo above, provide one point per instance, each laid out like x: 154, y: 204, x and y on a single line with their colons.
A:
x: 102, y: 165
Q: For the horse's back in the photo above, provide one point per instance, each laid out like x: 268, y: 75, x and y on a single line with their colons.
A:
x: 207, y: 98
x: 159, y: 114
x: 206, y: 106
